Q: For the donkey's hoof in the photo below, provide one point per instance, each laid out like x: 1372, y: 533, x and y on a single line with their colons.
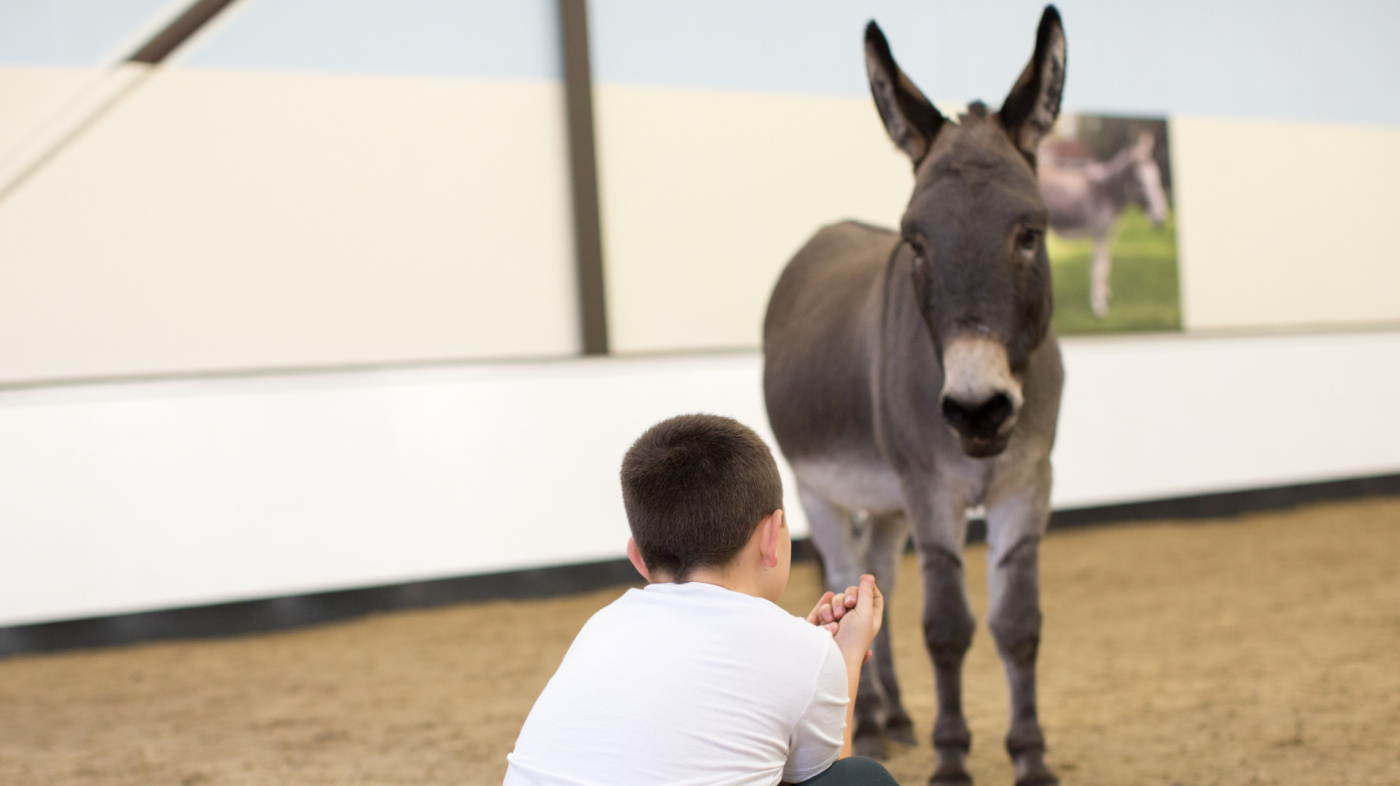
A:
x: 901, y: 731
x: 1038, y: 776
x: 871, y: 746
x: 947, y: 775
x: 952, y: 768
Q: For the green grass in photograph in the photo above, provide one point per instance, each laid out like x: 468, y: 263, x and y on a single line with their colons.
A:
x: 1146, y: 295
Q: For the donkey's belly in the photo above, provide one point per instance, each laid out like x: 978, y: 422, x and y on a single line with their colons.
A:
x: 851, y: 482
x: 818, y: 338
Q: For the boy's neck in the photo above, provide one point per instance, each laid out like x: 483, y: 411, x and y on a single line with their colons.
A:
x: 732, y: 577
x: 760, y: 569
x: 723, y: 578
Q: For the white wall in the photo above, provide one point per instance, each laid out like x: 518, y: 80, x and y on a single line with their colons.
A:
x: 31, y: 95
x: 1286, y: 223
x: 302, y: 184
x: 706, y: 195
x: 219, y: 220
x: 124, y: 497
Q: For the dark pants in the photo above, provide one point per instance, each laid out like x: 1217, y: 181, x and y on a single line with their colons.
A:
x: 853, y: 771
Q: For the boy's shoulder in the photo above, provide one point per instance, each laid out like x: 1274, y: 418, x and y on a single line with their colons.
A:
x: 703, y: 609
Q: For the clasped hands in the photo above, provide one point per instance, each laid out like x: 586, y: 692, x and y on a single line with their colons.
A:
x: 853, y: 617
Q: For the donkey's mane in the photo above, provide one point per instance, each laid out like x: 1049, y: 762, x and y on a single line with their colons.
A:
x: 975, y: 111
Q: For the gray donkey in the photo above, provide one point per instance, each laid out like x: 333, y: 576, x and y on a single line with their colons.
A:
x: 913, y: 375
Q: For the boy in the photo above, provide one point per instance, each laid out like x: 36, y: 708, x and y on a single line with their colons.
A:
x: 700, y: 678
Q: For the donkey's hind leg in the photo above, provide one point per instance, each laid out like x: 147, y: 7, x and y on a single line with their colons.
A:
x: 843, y: 541
x: 889, y: 536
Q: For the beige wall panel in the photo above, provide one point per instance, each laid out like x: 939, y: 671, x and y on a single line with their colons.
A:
x: 1286, y: 224
x: 707, y: 194
x: 234, y: 220
x: 29, y: 95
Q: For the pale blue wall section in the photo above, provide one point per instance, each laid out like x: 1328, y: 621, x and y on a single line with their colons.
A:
x: 517, y: 39
x: 1300, y: 60
x: 803, y: 46
x: 70, y: 32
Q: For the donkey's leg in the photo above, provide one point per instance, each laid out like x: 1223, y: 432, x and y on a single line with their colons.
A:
x: 1015, y: 525
x: 844, y: 544
x: 889, y: 536
x: 938, y: 517
x: 1099, y: 291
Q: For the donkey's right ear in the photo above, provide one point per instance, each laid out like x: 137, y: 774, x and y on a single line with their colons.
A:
x: 910, y: 119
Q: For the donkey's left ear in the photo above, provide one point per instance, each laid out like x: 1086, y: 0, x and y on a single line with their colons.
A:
x: 1033, y: 104
x: 910, y: 119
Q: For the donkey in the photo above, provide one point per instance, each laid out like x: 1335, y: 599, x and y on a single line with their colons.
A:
x: 1085, y: 201
x: 911, y: 375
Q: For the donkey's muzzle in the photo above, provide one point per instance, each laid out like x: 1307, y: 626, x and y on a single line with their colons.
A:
x: 981, y: 397
x: 980, y: 423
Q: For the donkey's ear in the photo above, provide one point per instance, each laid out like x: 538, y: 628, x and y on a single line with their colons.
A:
x: 1033, y: 104
x: 910, y: 119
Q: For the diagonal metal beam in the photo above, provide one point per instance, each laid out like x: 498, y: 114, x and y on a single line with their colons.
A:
x: 100, y: 96
x: 178, y: 31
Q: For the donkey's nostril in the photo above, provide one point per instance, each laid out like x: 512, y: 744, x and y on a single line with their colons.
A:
x: 980, y: 419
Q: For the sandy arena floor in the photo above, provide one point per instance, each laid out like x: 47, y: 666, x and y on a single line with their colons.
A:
x: 1258, y: 650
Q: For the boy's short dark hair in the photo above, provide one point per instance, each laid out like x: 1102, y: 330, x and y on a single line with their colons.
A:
x: 695, y: 487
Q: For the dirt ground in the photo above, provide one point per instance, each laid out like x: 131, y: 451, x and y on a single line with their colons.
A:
x: 1258, y: 650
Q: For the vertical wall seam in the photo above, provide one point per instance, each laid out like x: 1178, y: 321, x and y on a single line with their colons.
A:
x: 588, y: 236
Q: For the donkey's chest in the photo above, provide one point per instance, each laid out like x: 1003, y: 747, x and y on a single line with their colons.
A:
x: 865, y: 483
x: 853, y: 482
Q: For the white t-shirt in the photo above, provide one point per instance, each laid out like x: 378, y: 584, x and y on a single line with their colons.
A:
x: 687, y: 685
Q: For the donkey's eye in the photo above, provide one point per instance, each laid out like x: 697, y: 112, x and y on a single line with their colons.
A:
x: 1028, y: 241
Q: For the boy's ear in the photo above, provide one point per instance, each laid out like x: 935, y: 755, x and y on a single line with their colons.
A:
x: 769, y: 530
x: 634, y: 555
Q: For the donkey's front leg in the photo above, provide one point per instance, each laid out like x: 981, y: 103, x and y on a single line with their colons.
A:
x: 843, y: 541
x: 939, y: 521
x: 1014, y: 529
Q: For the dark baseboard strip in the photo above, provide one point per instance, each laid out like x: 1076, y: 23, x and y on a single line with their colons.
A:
x: 258, y: 616
x: 295, y: 611
x: 1229, y: 503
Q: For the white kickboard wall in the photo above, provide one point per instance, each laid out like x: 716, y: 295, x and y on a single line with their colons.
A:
x: 126, y: 497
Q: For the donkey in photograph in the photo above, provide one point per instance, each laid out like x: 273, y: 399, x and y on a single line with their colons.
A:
x: 911, y: 375
x: 1086, y: 199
